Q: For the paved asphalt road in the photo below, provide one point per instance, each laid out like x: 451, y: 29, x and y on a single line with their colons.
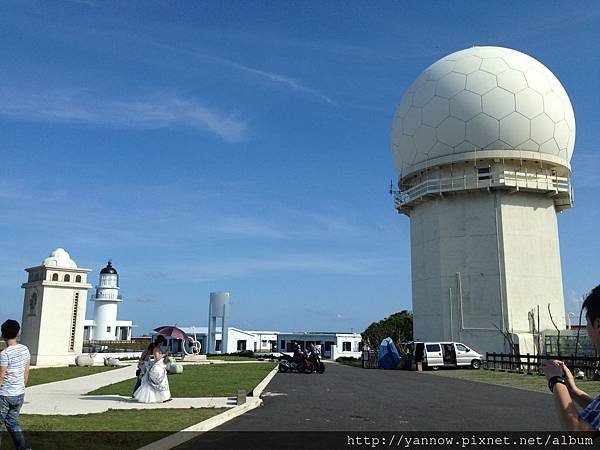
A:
x: 351, y: 398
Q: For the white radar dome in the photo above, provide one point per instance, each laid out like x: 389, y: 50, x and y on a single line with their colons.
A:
x: 490, y: 99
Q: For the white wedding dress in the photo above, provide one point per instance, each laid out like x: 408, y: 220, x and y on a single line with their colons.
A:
x: 155, y: 384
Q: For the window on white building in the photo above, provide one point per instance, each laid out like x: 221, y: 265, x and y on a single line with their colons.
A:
x: 108, y: 329
x: 347, y: 346
x: 241, y: 345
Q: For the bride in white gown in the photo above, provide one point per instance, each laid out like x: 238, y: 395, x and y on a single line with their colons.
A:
x: 155, y: 384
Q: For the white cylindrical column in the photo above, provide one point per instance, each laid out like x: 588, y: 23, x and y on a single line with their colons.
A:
x: 218, y: 308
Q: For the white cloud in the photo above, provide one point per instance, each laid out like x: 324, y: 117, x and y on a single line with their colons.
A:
x: 277, y: 78
x: 156, y: 111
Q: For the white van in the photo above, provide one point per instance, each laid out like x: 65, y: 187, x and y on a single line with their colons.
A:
x: 446, y: 354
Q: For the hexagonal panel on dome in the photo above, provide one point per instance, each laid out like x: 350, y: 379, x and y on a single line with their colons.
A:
x: 465, y: 105
x: 405, y: 104
x: 481, y: 82
x: 570, y: 145
x: 517, y: 60
x: 451, y: 131
x: 529, y: 103
x: 542, y: 128
x: 421, y: 79
x: 464, y: 146
x: 529, y: 145
x: 494, y: 65
x: 570, y: 117
x: 467, y: 64
x: 561, y: 134
x: 440, y: 68
x: 537, y: 81
x: 553, y: 107
x: 450, y: 85
x: 499, y: 145
x: 498, y: 103
x: 512, y: 80
x: 483, y: 130
x: 563, y: 154
x: 435, y: 111
x: 440, y: 149
x: 406, y: 148
x: 424, y: 93
x: 550, y: 146
x: 424, y: 138
x: 412, y: 120
x: 514, y: 129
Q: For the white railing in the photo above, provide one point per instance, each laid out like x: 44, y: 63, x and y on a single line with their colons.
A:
x: 484, y: 179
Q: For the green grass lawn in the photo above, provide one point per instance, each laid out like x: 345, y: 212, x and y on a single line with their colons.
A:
x: 50, y: 374
x: 515, y: 380
x: 349, y: 361
x: 210, y: 380
x: 123, y: 429
x: 231, y: 358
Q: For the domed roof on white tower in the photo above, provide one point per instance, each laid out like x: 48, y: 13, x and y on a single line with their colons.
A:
x: 59, y: 258
x: 484, y: 98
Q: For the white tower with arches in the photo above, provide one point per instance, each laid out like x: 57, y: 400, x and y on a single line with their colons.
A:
x: 54, y: 310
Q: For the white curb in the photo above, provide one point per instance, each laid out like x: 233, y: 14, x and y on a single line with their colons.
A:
x: 260, y: 387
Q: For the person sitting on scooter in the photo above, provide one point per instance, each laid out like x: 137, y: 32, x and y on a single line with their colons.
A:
x: 298, y: 353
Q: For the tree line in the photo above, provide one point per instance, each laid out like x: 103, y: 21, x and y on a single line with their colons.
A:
x: 398, y: 326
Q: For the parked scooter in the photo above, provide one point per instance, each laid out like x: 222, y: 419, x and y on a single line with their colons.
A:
x: 288, y: 364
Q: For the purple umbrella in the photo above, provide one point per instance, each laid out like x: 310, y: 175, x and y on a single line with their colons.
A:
x: 174, y: 332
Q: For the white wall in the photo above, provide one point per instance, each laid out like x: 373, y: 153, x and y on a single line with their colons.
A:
x: 502, y: 275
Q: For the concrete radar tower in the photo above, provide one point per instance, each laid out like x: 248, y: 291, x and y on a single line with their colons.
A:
x: 482, y: 141
x: 218, y: 309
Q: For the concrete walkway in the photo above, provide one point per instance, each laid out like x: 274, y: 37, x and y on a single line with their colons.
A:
x: 68, y: 397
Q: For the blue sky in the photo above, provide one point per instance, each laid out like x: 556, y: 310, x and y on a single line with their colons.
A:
x: 245, y: 146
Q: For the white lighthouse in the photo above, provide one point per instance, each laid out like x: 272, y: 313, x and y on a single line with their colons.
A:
x: 105, y: 326
x: 482, y: 142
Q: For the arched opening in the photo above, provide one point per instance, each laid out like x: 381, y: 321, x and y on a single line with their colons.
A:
x: 78, y: 279
x: 55, y: 277
x: 67, y: 278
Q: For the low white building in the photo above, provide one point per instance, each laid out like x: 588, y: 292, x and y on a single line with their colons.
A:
x: 237, y: 340
x: 332, y: 344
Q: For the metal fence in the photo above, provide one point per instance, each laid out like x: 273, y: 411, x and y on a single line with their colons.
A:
x: 370, y: 359
x: 530, y: 364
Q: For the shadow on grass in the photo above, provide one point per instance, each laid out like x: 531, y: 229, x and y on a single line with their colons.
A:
x: 89, y: 440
